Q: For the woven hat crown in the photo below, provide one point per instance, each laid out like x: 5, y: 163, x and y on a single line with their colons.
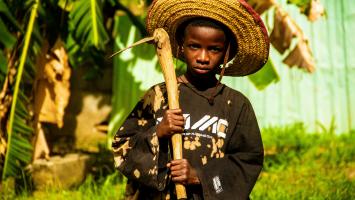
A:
x: 243, y: 22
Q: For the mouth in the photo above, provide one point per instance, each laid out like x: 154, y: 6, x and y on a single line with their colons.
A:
x: 202, y: 70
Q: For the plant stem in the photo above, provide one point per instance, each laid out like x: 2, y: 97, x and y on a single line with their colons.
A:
x: 94, y: 22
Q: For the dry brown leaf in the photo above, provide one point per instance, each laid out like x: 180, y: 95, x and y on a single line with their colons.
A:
x: 52, y: 84
x: 283, y: 32
x: 41, y: 149
x: 5, y: 105
x: 2, y: 146
x: 261, y: 6
x: 301, y: 57
x: 316, y: 10
x: 5, y: 94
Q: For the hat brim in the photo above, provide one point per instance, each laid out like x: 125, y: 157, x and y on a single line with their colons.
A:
x: 245, y: 24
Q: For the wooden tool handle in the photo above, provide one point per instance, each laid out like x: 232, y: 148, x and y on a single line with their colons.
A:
x: 166, y: 62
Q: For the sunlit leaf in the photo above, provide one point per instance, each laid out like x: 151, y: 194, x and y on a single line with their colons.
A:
x: 52, y: 91
x: 302, y: 4
x: 66, y: 5
x: 86, y: 22
x: 265, y: 76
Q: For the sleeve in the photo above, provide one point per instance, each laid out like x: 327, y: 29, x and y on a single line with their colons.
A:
x: 137, y: 151
x: 234, y: 175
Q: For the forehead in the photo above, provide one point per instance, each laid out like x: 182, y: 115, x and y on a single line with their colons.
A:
x: 204, y: 33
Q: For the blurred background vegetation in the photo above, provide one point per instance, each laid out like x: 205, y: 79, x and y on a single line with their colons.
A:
x: 61, y: 94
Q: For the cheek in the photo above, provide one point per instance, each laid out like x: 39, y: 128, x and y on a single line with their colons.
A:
x: 189, y: 57
x: 219, y: 59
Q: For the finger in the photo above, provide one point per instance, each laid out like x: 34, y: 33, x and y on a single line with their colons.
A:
x: 180, y: 168
x: 178, y: 173
x: 174, y: 117
x: 178, y: 117
x: 177, y: 122
x: 180, y: 179
x: 175, y: 173
x: 174, y: 111
x: 174, y: 121
x: 177, y: 169
x: 179, y: 161
x: 175, y: 129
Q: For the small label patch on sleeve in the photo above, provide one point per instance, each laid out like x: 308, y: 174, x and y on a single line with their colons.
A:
x: 217, y: 185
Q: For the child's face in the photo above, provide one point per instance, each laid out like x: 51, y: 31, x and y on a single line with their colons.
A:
x: 204, y: 49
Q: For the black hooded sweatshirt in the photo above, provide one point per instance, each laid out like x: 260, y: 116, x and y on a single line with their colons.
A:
x: 221, y: 141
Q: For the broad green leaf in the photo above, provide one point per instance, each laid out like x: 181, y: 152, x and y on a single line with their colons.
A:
x: 3, y: 68
x: 6, y: 11
x: 21, y: 111
x: 21, y: 126
x: 6, y: 38
x: 20, y: 152
x: 3, y: 64
x: 86, y: 24
x: 17, y: 152
x: 264, y: 76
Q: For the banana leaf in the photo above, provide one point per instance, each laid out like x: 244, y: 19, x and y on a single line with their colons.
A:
x: 265, y: 76
x: 86, y: 22
x: 6, y: 38
x: 19, y: 149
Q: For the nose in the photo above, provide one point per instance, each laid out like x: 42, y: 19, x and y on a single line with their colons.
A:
x: 203, y: 57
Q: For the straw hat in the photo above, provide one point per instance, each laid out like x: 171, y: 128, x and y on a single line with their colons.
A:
x: 249, y: 31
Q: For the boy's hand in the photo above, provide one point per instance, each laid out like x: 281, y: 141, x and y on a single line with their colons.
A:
x: 172, y: 122
x: 182, y: 172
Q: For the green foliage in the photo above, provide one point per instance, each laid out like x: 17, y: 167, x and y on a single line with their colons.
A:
x: 6, y: 11
x: 109, y: 187
x: 7, y: 39
x: 265, y: 76
x: 18, y: 151
x: 299, y: 3
x: 301, y: 165
x: 19, y: 50
x: 87, y: 25
x: 303, y: 5
x: 3, y: 68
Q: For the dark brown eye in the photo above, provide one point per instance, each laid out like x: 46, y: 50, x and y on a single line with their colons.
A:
x: 194, y: 46
x: 216, y: 49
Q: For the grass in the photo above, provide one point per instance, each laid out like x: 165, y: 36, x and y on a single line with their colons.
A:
x: 298, y: 165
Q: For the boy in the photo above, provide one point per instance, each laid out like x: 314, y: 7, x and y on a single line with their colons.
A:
x: 222, y: 147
